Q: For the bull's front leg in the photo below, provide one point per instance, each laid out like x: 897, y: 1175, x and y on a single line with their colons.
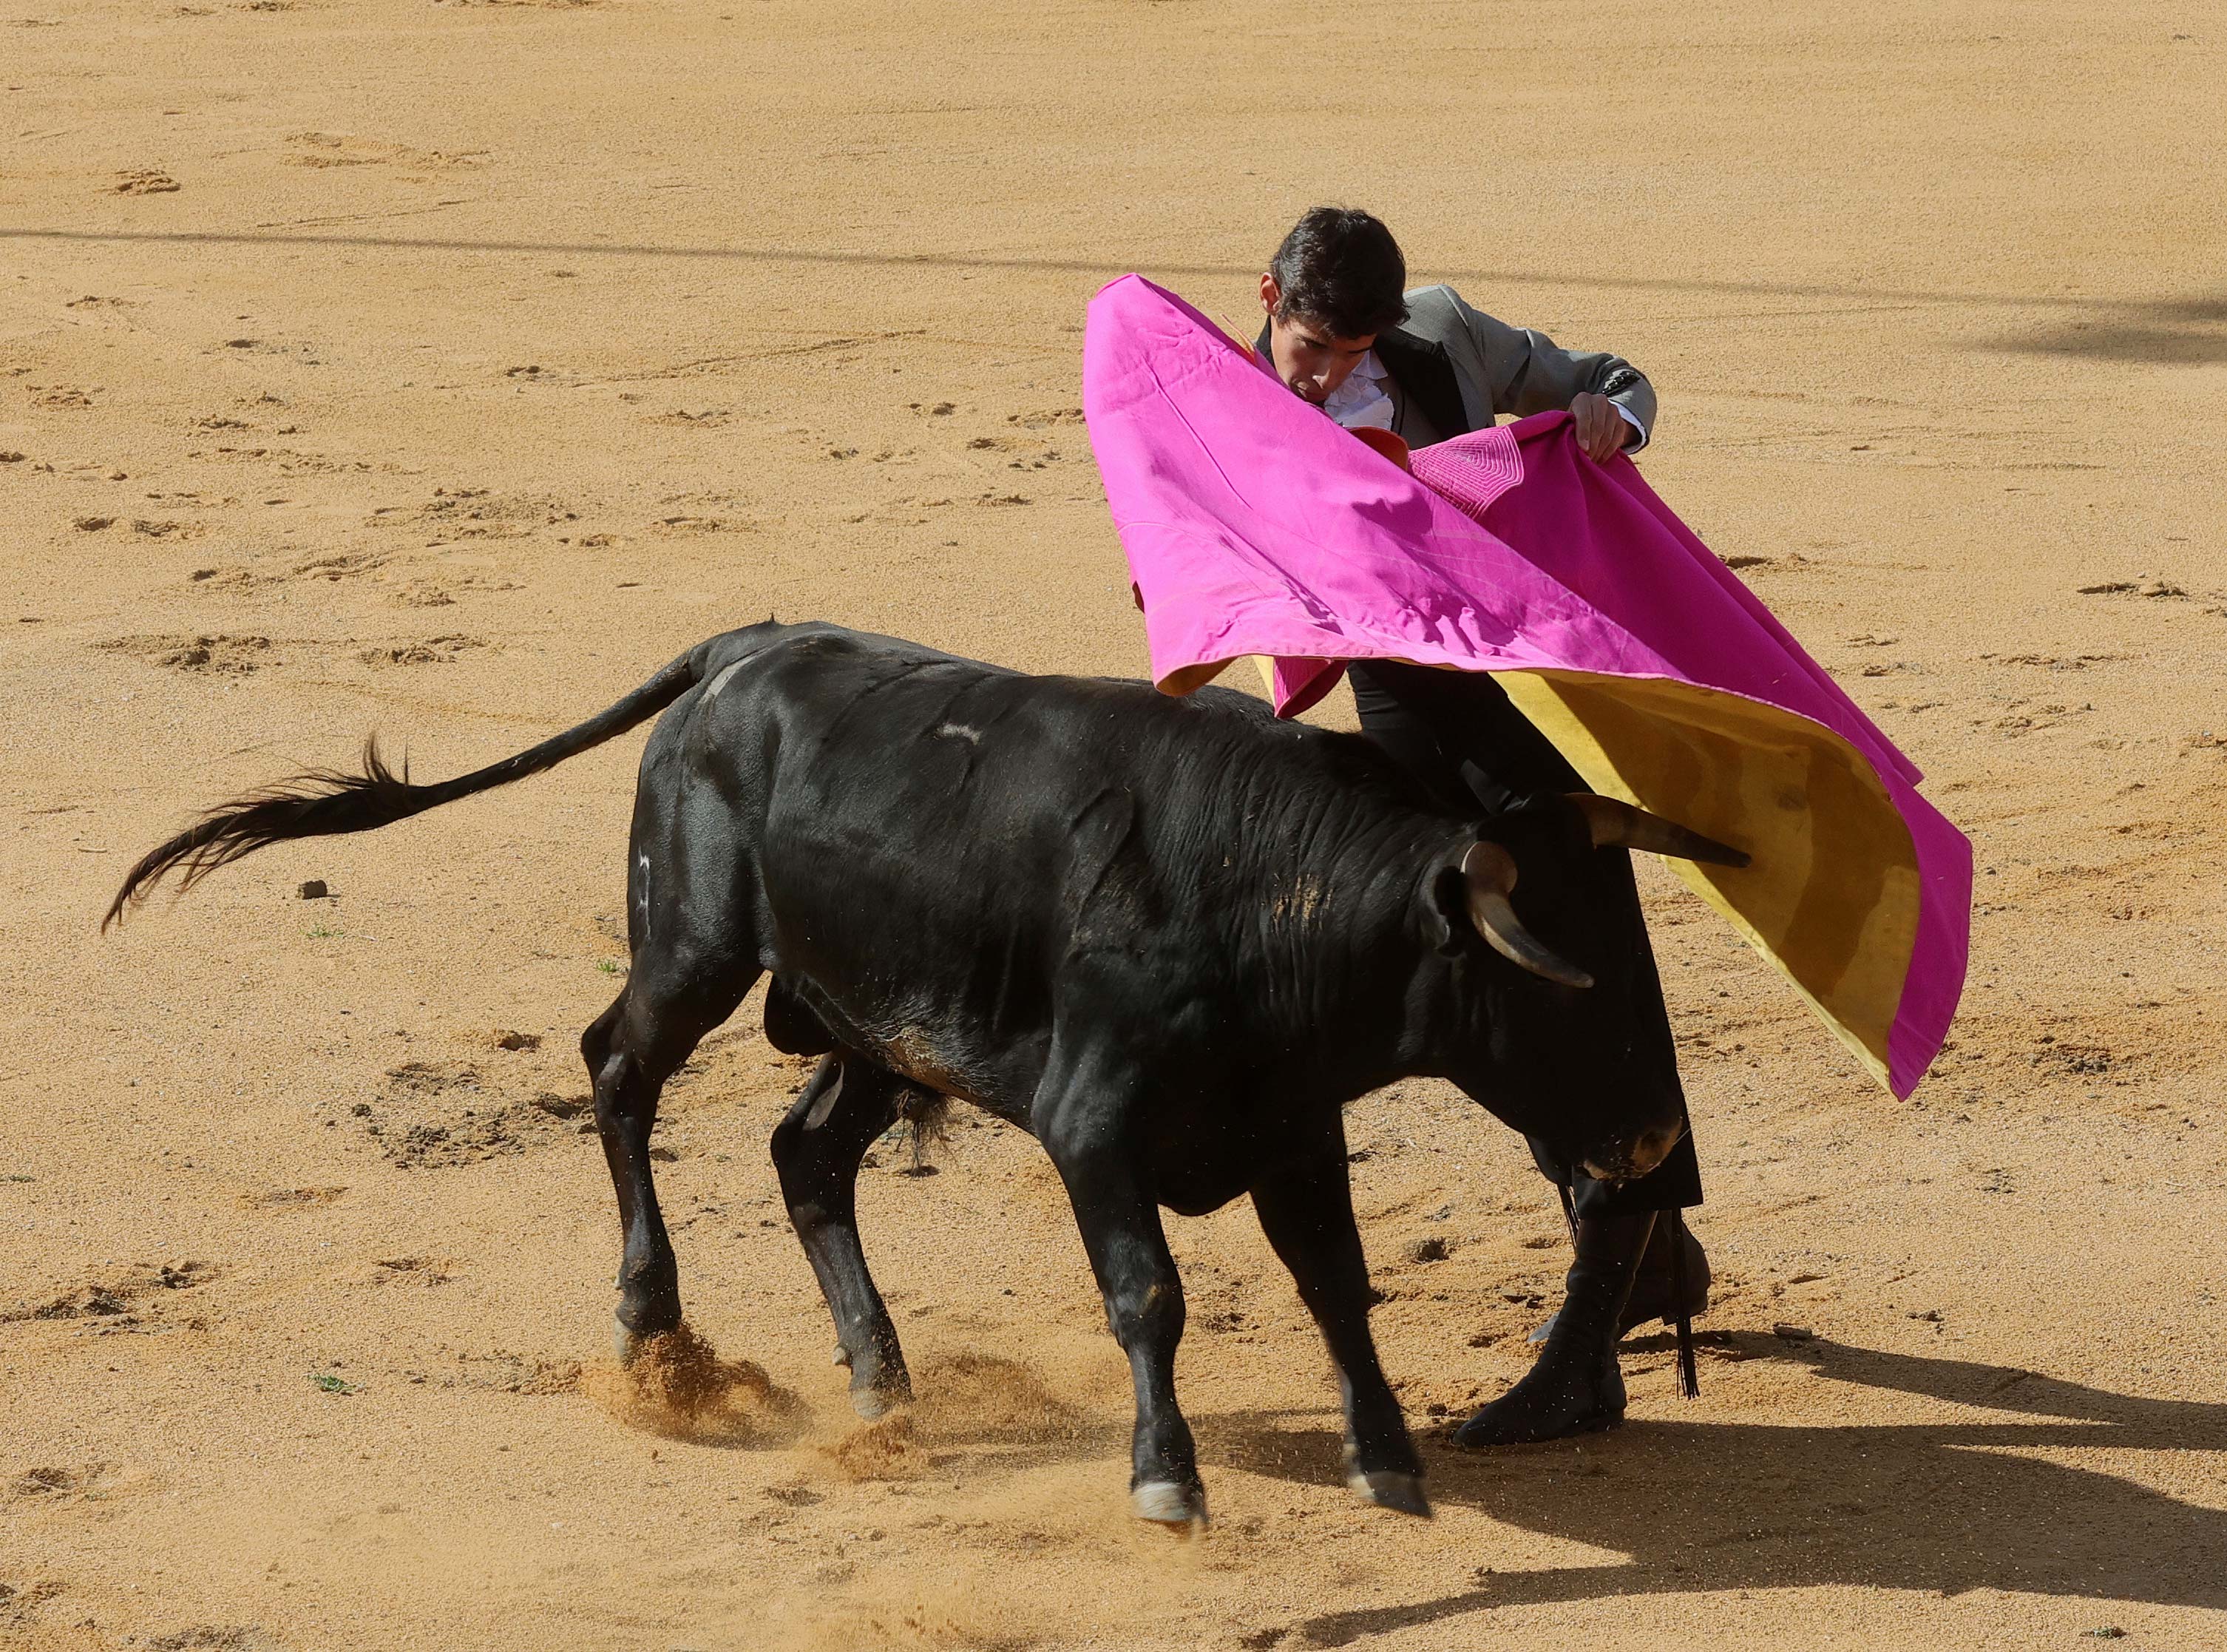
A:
x: 1086, y: 1127
x: 816, y: 1151
x: 1306, y: 1211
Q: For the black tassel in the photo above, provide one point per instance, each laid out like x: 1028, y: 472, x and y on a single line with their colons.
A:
x: 1690, y: 1373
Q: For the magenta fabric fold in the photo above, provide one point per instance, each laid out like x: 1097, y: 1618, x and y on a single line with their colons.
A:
x: 1254, y: 526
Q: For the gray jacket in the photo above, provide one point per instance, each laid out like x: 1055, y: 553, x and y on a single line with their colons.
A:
x: 1454, y: 369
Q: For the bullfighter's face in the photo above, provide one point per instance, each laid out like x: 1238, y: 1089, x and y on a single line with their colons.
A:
x: 1309, y: 357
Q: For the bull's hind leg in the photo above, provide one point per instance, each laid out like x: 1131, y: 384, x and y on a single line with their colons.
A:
x: 631, y: 1049
x: 816, y: 1151
x: 1307, y: 1211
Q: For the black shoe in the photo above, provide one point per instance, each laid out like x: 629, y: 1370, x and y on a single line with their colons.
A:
x: 1575, y: 1387
x: 1653, y: 1293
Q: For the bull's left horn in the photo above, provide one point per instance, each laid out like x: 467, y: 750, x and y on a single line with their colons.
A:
x: 1488, y: 873
x: 1619, y: 826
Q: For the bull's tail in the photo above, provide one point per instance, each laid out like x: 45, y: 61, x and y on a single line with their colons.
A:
x: 324, y: 802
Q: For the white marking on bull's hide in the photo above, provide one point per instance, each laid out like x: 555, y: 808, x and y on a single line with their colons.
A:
x: 642, y: 898
x: 711, y: 689
x: 961, y: 731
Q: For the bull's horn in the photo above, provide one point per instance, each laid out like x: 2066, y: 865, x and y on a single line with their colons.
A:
x: 1619, y: 826
x: 1488, y: 873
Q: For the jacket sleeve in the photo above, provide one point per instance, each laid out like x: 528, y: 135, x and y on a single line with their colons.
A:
x: 1528, y: 373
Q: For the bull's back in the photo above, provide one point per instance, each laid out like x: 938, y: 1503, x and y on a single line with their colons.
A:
x: 930, y: 840
x: 939, y: 854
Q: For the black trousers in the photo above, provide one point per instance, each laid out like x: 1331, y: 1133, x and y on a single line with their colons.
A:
x: 1460, y: 735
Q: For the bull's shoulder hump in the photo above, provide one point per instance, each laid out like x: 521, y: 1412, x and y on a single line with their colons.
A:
x: 1116, y: 692
x: 838, y: 648
x: 814, y: 648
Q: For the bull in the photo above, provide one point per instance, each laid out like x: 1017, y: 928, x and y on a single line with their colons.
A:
x: 1171, y: 939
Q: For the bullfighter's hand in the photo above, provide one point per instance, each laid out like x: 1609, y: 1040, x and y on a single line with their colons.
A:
x: 1602, y: 431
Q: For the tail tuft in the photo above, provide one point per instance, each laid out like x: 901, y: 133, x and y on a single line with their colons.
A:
x: 321, y: 802
x: 316, y: 803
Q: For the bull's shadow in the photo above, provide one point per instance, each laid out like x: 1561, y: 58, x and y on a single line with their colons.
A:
x: 1940, y: 1507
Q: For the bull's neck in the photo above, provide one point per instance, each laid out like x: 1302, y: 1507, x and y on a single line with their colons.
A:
x: 1330, y: 921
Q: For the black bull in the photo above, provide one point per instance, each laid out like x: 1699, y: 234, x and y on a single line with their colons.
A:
x: 1170, y: 938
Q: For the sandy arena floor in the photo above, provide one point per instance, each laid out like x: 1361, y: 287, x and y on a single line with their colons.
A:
x: 444, y: 368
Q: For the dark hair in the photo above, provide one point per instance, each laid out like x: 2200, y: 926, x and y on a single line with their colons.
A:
x: 1341, y: 267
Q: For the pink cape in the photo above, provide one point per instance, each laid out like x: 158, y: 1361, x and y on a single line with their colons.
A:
x: 1256, y: 525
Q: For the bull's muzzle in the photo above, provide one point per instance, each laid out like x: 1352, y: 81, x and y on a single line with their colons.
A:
x: 1636, y: 1158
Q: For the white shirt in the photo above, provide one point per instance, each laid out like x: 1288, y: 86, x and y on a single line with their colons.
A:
x: 1363, y: 399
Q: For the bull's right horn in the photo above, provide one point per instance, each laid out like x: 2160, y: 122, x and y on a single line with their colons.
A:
x: 1488, y: 873
x: 1616, y: 824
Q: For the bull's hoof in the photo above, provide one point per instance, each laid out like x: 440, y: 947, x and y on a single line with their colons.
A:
x: 626, y: 1344
x: 1390, y: 1489
x: 879, y: 1381
x: 874, y: 1400
x: 1164, y: 1502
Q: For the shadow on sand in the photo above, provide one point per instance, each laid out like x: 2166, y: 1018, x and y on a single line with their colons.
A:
x: 1939, y: 1507
x: 2173, y: 331
x: 2183, y: 333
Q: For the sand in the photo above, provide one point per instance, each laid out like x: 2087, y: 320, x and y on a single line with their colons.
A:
x: 443, y: 369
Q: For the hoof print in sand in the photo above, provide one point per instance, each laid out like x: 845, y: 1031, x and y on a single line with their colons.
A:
x: 424, y: 594
x: 504, y: 1373
x: 53, y: 1484
x: 340, y: 148
x: 219, y: 1637
x: 213, y: 656
x: 432, y: 651
x: 439, y: 1114
x: 126, y: 1303
x: 1046, y: 419
x: 453, y: 513
x: 290, y: 1198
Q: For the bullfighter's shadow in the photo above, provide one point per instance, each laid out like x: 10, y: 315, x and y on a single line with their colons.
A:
x: 1939, y: 1507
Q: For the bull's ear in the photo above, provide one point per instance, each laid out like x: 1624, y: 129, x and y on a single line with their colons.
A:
x: 1445, y: 916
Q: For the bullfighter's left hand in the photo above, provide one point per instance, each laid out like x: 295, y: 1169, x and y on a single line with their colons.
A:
x: 1602, y: 431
